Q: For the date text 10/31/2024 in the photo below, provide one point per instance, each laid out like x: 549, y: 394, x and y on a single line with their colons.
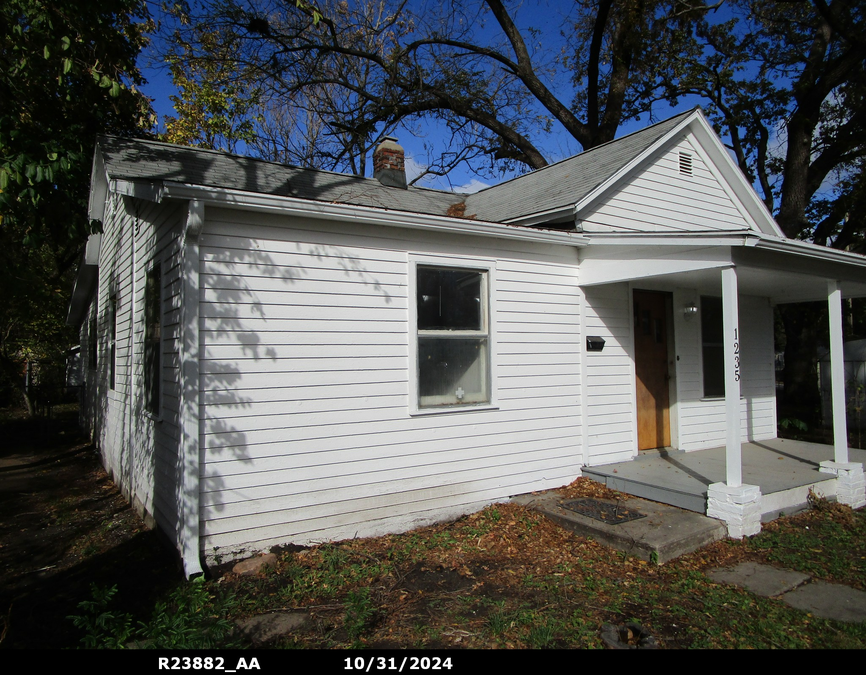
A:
x: 358, y: 663
x: 398, y: 664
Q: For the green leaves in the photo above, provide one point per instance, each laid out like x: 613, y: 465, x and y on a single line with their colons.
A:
x: 67, y: 71
x: 63, y: 81
x: 218, y: 101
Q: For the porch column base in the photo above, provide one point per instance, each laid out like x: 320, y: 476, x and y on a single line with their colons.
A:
x: 850, y: 482
x: 739, y: 507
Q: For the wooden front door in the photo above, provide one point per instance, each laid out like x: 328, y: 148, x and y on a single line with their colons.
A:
x: 651, y: 369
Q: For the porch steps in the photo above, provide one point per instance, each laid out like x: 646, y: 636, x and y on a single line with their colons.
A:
x: 683, y: 498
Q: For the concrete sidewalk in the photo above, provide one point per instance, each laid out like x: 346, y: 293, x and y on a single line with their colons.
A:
x: 666, y: 532
x: 828, y: 601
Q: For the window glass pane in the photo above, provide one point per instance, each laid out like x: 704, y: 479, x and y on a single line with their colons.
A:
x: 452, y: 371
x: 112, y: 341
x: 714, y: 370
x: 449, y: 299
x: 91, y: 340
x: 713, y: 346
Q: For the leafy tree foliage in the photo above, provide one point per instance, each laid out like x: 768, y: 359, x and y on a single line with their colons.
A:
x: 792, y: 71
x: 357, y: 70
x: 67, y: 73
x: 216, y: 108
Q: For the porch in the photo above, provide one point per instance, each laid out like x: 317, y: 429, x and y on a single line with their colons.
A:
x: 782, y: 469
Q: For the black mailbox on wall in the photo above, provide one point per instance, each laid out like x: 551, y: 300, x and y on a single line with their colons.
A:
x: 594, y: 343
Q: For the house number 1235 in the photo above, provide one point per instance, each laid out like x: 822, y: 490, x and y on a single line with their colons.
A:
x: 736, y: 357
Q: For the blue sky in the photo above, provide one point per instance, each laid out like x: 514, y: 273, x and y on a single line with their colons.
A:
x: 557, y: 145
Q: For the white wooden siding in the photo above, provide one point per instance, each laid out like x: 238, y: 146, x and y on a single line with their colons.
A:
x: 139, y: 452
x: 660, y: 199
x: 701, y: 420
x: 305, y: 383
x: 609, y: 376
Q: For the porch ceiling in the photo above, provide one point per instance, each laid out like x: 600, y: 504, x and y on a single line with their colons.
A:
x: 780, y: 286
x: 781, y: 276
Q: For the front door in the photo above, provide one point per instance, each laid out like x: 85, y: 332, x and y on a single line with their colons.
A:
x: 651, y: 369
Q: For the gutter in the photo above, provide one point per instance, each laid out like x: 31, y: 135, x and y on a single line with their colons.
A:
x: 364, y: 214
x: 190, y: 432
x: 678, y: 239
x: 803, y: 248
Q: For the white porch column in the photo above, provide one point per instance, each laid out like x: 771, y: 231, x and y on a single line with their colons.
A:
x: 731, y: 327
x: 837, y: 372
x: 737, y: 504
x: 850, y: 480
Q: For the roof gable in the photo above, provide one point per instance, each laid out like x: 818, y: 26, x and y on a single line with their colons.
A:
x: 715, y: 172
x: 558, y: 187
x: 676, y: 190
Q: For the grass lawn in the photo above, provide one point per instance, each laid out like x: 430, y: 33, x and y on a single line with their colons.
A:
x: 503, y: 578
x: 506, y: 578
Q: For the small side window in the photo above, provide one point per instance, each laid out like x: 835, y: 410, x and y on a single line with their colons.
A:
x: 92, y: 341
x: 152, y: 339
x: 112, y: 341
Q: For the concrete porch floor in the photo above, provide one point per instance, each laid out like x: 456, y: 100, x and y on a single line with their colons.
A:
x: 783, y: 469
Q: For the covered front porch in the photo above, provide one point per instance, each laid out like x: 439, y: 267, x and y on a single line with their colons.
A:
x: 710, y: 389
x: 784, y: 470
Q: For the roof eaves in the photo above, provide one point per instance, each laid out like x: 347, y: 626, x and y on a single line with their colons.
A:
x: 372, y: 215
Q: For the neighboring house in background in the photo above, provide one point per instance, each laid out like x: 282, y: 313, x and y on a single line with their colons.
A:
x: 286, y: 355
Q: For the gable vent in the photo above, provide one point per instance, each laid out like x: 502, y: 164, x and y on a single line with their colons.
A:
x: 685, y: 163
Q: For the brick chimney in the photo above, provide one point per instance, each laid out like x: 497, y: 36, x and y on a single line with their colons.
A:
x: 389, y: 163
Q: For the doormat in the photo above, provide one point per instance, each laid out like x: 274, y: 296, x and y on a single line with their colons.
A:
x: 612, y: 514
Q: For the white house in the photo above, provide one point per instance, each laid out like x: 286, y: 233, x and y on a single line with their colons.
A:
x: 274, y: 354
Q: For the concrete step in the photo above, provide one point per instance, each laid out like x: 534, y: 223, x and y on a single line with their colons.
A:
x: 680, y: 498
x: 665, y: 533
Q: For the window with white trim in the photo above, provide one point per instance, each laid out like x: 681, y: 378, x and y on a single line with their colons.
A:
x: 152, y: 338
x: 453, y: 336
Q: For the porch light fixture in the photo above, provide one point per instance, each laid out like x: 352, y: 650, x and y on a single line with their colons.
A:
x: 690, y: 310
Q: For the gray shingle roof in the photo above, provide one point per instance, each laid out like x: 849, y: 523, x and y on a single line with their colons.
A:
x: 556, y: 186
x: 567, y: 182
x: 152, y: 161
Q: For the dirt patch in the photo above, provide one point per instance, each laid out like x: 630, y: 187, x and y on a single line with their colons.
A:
x: 64, y: 526
x: 436, y: 580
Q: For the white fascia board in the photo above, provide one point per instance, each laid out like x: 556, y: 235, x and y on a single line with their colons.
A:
x: 293, y: 206
x: 617, y: 264
x: 152, y: 192
x: 814, y: 251
x: 715, y: 238
x: 551, y: 215
x: 92, y: 248
x: 98, y: 187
